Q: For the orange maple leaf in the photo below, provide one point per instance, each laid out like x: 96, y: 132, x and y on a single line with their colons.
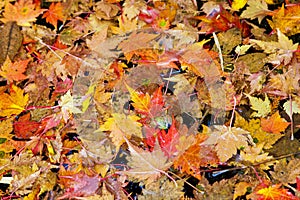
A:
x: 14, y: 102
x: 23, y: 12
x: 14, y: 71
x: 54, y: 13
x: 275, y: 192
x: 195, y: 157
x: 274, y: 124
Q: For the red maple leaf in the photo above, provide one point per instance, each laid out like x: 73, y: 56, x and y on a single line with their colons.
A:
x: 169, y: 139
x: 24, y: 128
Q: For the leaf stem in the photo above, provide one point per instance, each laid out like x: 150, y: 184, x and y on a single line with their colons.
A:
x: 220, y: 51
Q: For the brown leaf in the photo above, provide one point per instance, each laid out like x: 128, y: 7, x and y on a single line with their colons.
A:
x: 146, y: 165
x: 10, y: 40
x: 135, y: 42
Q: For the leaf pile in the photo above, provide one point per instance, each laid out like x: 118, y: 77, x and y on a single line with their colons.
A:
x: 179, y: 99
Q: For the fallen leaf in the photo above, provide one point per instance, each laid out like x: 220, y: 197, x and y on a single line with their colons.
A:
x: 263, y: 107
x: 135, y: 42
x: 23, y: 12
x: 191, y: 159
x: 228, y: 141
x: 286, y: 172
x: 240, y: 189
x: 67, y: 106
x: 238, y: 4
x: 141, y: 102
x: 291, y: 107
x: 274, y: 124
x: 146, y: 165
x: 286, y: 19
x: 122, y: 126
x: 6, y: 127
x: 10, y: 40
x: 54, y: 14
x: 256, y: 9
x: 275, y: 192
x: 169, y: 139
x: 279, y: 52
x: 14, y: 102
x: 254, y: 127
x: 14, y: 71
x: 125, y: 25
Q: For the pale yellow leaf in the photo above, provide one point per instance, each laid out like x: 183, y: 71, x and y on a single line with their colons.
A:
x: 256, y: 9
x: 263, y: 107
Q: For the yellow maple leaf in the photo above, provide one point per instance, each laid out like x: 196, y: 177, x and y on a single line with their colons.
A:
x: 238, y: 4
x: 258, y: 135
x: 255, y: 154
x: 122, y: 126
x: 286, y: 19
x: 68, y: 106
x: 256, y: 9
x: 23, y: 12
x: 6, y: 128
x: 275, y: 192
x: 14, y: 102
x: 14, y: 71
x: 125, y: 25
x: 141, y: 102
x: 263, y: 107
x: 279, y: 52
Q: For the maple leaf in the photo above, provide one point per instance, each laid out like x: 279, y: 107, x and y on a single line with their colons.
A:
x: 195, y: 156
x: 286, y: 19
x: 274, y: 124
x: 255, y: 154
x: 254, y: 127
x: 256, y: 9
x: 122, y: 126
x: 141, y: 102
x: 135, y: 42
x: 5, y: 129
x: 281, y: 51
x: 125, y: 25
x: 168, y: 140
x: 275, y: 192
x: 240, y: 189
x: 238, y: 4
x: 263, y: 108
x: 14, y: 102
x: 23, y: 12
x: 67, y: 106
x: 220, y: 20
x: 146, y: 165
x: 291, y: 108
x: 54, y: 13
x: 14, y: 71
x: 228, y: 140
x: 24, y: 128
x: 286, y: 172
